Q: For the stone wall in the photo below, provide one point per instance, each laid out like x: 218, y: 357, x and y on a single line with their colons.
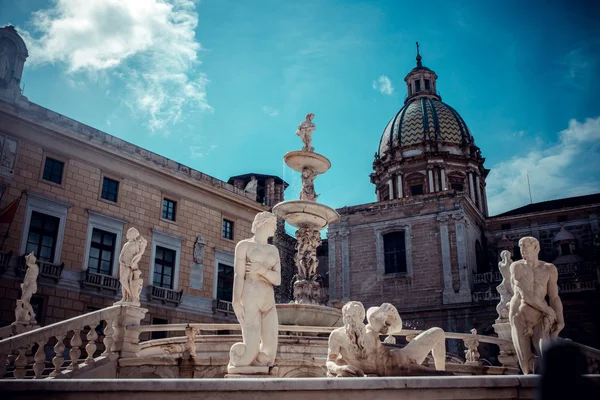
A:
x: 201, y: 208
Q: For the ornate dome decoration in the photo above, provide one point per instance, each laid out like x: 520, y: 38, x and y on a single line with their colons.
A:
x: 424, y: 119
x: 427, y: 149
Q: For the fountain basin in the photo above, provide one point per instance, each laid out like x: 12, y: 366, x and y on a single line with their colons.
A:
x: 298, y: 160
x: 306, y: 214
x: 308, y: 315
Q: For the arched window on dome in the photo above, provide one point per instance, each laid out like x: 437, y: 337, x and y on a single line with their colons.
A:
x: 456, y: 180
x: 415, y: 183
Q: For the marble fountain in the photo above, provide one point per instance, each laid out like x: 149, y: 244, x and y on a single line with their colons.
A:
x: 274, y: 347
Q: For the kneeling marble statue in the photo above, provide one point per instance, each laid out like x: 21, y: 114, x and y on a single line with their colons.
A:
x: 257, y: 269
x: 356, y: 349
x: 532, y: 319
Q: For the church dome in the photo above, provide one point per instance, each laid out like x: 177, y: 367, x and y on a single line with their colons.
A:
x: 424, y: 118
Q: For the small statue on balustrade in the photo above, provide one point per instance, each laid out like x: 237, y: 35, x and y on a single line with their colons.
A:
x: 305, y: 131
x: 129, y: 271
x: 533, y: 319
x: 356, y: 349
x: 257, y: 268
x: 24, y: 311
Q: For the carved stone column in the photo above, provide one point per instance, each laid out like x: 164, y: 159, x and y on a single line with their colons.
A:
x: 306, y: 288
x: 332, y: 242
x: 391, y: 189
x: 430, y: 179
x: 400, y: 186
x: 471, y: 186
x: 378, y: 195
x: 345, y: 265
x: 478, y: 191
x: 443, y: 178
x: 446, y: 261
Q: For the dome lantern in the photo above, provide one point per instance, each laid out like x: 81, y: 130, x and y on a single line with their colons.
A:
x: 421, y: 81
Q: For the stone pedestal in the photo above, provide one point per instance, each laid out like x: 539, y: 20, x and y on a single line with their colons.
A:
x: 507, y: 356
x: 251, y: 372
x: 126, y: 342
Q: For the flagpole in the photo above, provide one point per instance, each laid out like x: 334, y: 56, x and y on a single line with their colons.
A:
x: 10, y: 224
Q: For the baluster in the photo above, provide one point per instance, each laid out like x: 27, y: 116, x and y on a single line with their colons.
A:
x: 20, y: 363
x: 40, y: 359
x: 108, y: 338
x: 75, y: 349
x: 90, y: 348
x: 58, y: 359
x: 3, y: 361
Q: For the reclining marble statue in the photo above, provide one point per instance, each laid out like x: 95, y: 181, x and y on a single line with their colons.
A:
x: 129, y: 271
x: 356, y: 350
x: 532, y: 319
x: 257, y: 269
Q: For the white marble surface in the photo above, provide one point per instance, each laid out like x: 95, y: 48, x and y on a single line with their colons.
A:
x: 306, y: 214
x: 129, y: 271
x: 298, y: 160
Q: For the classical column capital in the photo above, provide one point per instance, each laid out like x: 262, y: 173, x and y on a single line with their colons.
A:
x: 460, y: 217
x: 344, y: 233
x: 443, y: 218
x: 332, y: 235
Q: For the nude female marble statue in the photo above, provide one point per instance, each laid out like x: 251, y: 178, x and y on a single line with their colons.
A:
x: 504, y: 288
x: 129, y: 271
x: 356, y: 350
x: 305, y: 131
x: 24, y: 311
x: 257, y: 269
x: 531, y: 318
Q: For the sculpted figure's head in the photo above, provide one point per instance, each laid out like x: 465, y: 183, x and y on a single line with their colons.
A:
x: 384, y: 319
x: 310, y: 116
x: 353, y: 315
x: 132, y: 234
x: 265, y: 221
x: 30, y: 259
x: 530, y: 247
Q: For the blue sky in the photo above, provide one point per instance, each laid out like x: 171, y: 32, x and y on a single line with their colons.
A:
x: 221, y: 85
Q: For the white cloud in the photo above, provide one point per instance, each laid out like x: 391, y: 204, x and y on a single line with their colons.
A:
x: 270, y: 111
x: 201, y: 151
x: 148, y: 44
x: 568, y: 168
x: 384, y: 85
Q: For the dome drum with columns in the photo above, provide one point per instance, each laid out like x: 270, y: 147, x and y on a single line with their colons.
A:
x: 427, y: 147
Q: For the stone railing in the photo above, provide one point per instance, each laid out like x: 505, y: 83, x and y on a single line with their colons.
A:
x: 574, y: 287
x: 223, y: 306
x: 578, y: 268
x: 488, y: 295
x: 487, y: 277
x: 165, y: 295
x: 47, y: 270
x: 192, y: 331
x: 56, y: 333
x: 100, y: 281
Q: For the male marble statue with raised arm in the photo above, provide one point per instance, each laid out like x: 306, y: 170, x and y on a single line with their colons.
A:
x: 532, y: 319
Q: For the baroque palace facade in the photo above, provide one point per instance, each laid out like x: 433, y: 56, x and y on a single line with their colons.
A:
x: 428, y: 245
x: 75, y: 192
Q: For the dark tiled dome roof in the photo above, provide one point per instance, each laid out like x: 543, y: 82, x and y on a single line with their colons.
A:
x: 424, y: 119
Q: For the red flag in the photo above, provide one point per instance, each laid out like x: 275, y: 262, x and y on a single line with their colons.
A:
x: 8, y: 213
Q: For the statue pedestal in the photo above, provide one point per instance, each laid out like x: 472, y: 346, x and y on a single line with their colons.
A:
x: 127, y: 342
x: 507, y: 356
x: 251, y: 372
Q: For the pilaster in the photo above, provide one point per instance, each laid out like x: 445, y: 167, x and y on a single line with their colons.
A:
x: 332, y: 242
x: 345, y: 265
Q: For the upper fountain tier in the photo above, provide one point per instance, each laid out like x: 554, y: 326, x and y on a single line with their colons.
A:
x: 299, y: 160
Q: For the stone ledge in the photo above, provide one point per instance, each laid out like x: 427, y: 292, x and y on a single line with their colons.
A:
x: 470, y: 387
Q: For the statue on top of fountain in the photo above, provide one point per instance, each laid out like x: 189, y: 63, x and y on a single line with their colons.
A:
x: 356, y: 350
x: 305, y: 131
